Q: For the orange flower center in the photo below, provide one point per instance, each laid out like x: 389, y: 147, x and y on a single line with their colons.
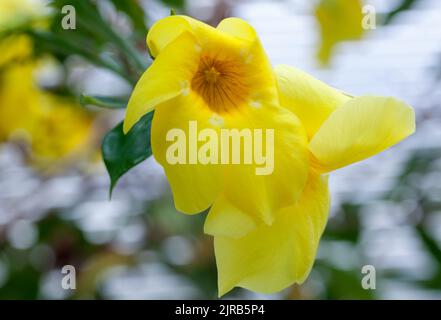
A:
x: 220, y: 83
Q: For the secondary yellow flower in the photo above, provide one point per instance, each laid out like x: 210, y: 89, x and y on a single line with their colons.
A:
x: 266, y: 228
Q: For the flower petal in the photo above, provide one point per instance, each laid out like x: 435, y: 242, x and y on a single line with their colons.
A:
x: 259, y: 197
x: 259, y: 72
x: 226, y: 219
x: 167, y: 77
x: 250, y: 192
x: 238, y: 28
x: 238, y: 41
x: 194, y: 186
x: 310, y: 99
x: 166, y: 30
x: 270, y: 258
x: 362, y: 127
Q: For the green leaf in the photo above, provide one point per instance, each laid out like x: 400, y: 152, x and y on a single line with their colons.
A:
x: 104, y: 102
x: 122, y: 152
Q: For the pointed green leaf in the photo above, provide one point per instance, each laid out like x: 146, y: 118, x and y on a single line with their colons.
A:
x: 122, y: 152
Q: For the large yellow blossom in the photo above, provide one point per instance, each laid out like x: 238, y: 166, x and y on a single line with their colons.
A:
x: 266, y: 228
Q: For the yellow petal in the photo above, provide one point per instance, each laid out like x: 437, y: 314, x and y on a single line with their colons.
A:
x: 271, y: 258
x: 226, y: 219
x: 310, y: 99
x: 166, y: 30
x: 246, y: 190
x: 167, y: 77
x: 362, y: 127
x: 238, y: 28
x: 194, y: 186
x: 240, y: 45
x: 259, y: 71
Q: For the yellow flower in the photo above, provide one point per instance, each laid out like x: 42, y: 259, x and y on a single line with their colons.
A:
x: 266, y: 228
x: 53, y: 126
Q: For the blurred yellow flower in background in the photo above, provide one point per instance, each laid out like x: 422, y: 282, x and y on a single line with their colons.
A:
x: 339, y: 20
x: 54, y: 127
x: 14, y: 48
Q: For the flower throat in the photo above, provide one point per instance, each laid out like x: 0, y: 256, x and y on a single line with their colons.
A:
x: 220, y: 83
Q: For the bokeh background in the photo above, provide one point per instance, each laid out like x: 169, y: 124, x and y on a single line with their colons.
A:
x: 54, y: 188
